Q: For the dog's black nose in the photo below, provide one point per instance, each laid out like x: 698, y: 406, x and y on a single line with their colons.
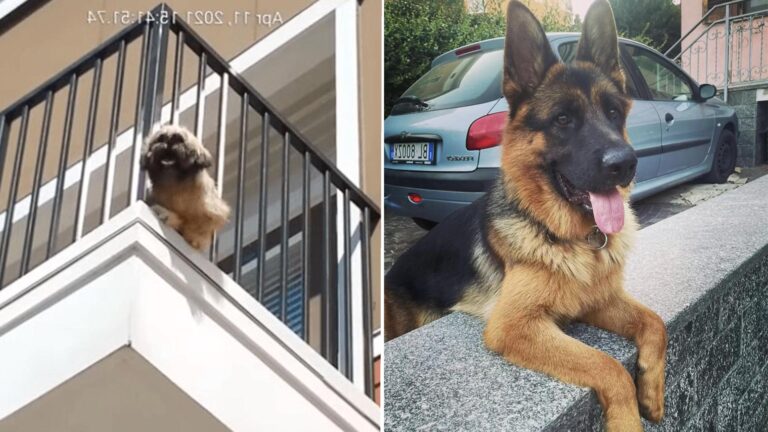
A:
x: 619, y: 164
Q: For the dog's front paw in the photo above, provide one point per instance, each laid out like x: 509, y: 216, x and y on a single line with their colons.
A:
x: 196, y: 153
x: 161, y: 212
x: 202, y: 157
x: 166, y: 216
x: 198, y: 240
x: 623, y: 425
x: 650, y: 394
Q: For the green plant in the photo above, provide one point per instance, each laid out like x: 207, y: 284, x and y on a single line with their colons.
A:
x: 415, y: 32
x: 653, y: 22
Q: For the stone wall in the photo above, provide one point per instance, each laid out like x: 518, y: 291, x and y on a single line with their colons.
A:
x: 751, y: 140
x: 705, y: 271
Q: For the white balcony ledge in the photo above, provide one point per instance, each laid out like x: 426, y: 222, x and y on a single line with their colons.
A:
x: 130, y: 329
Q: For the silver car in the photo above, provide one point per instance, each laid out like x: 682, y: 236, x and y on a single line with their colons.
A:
x: 441, y: 145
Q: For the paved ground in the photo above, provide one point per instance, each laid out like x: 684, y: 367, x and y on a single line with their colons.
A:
x: 400, y: 232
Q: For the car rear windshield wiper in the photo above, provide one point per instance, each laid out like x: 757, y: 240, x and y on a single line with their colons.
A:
x: 409, y: 104
x: 412, y: 99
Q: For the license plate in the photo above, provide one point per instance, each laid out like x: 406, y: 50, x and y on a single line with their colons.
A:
x: 412, y: 153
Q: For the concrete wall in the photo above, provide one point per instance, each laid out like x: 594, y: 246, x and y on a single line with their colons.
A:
x: 705, y: 271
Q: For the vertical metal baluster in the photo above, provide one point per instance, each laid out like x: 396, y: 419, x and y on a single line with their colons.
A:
x: 155, y: 80
x: 346, y: 309
x: 265, y: 125
x: 239, y: 207
x: 117, y: 97
x: 200, y: 110
x: 715, y: 57
x: 327, y: 345
x: 85, y: 176
x: 749, y: 65
x: 178, y: 65
x: 61, y: 172
x: 4, y: 131
x: 367, y: 303
x: 706, y: 58
x: 42, y: 149
x: 221, y: 143
x: 737, y: 55
x: 16, y: 173
x: 284, y: 222
x: 762, y: 44
x: 133, y: 180
x: 690, y: 58
x: 727, y: 60
x: 305, y: 243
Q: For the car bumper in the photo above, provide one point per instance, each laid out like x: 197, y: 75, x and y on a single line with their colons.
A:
x: 441, y: 193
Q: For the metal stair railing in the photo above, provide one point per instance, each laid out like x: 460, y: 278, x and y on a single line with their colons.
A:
x: 728, y: 52
x: 332, y: 281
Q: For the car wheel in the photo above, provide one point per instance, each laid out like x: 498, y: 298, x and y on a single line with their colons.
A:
x: 724, y: 161
x: 424, y: 223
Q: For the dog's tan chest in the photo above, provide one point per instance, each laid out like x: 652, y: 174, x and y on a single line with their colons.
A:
x: 577, y: 277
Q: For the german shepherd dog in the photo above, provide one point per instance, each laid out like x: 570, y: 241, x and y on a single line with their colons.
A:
x: 547, y: 244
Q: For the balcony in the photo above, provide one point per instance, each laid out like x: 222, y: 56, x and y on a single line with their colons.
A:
x: 298, y: 244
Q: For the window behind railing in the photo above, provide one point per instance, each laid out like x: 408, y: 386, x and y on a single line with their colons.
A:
x: 299, y: 235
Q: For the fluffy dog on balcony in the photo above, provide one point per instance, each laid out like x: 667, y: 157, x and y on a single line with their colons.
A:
x: 183, y: 193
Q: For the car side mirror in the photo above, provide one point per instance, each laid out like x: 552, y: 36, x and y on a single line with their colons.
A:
x: 707, y: 91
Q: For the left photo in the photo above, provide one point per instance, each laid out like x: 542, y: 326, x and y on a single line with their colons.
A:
x: 190, y: 215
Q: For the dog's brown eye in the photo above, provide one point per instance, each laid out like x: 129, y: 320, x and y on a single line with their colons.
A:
x: 563, y: 119
x: 613, y: 114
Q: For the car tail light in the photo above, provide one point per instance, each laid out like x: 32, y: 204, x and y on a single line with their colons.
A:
x: 415, y: 198
x: 485, y: 132
x: 467, y: 49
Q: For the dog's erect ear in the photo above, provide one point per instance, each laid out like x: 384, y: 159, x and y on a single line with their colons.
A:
x: 599, y: 43
x: 527, y: 54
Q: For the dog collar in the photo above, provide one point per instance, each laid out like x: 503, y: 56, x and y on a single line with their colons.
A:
x: 596, y: 239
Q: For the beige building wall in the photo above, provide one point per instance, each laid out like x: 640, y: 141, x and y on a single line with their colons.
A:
x: 371, y: 107
x: 58, y: 33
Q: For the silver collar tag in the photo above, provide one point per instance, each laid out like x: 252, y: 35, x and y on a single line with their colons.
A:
x: 597, y: 239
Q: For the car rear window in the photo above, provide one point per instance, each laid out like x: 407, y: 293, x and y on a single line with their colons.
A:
x: 468, y: 80
x: 567, y: 53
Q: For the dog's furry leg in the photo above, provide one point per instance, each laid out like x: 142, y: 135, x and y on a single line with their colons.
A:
x: 627, y: 317
x: 398, y: 317
x: 167, y: 217
x: 522, y: 328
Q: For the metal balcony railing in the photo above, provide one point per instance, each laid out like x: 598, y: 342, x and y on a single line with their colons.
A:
x: 69, y: 186
x: 726, y: 47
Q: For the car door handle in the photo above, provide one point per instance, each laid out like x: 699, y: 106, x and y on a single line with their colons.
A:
x: 669, y: 118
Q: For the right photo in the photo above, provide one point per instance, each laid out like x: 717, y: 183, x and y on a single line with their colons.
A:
x: 575, y: 215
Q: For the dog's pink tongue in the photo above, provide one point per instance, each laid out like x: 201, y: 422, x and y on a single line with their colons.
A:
x: 608, y: 209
